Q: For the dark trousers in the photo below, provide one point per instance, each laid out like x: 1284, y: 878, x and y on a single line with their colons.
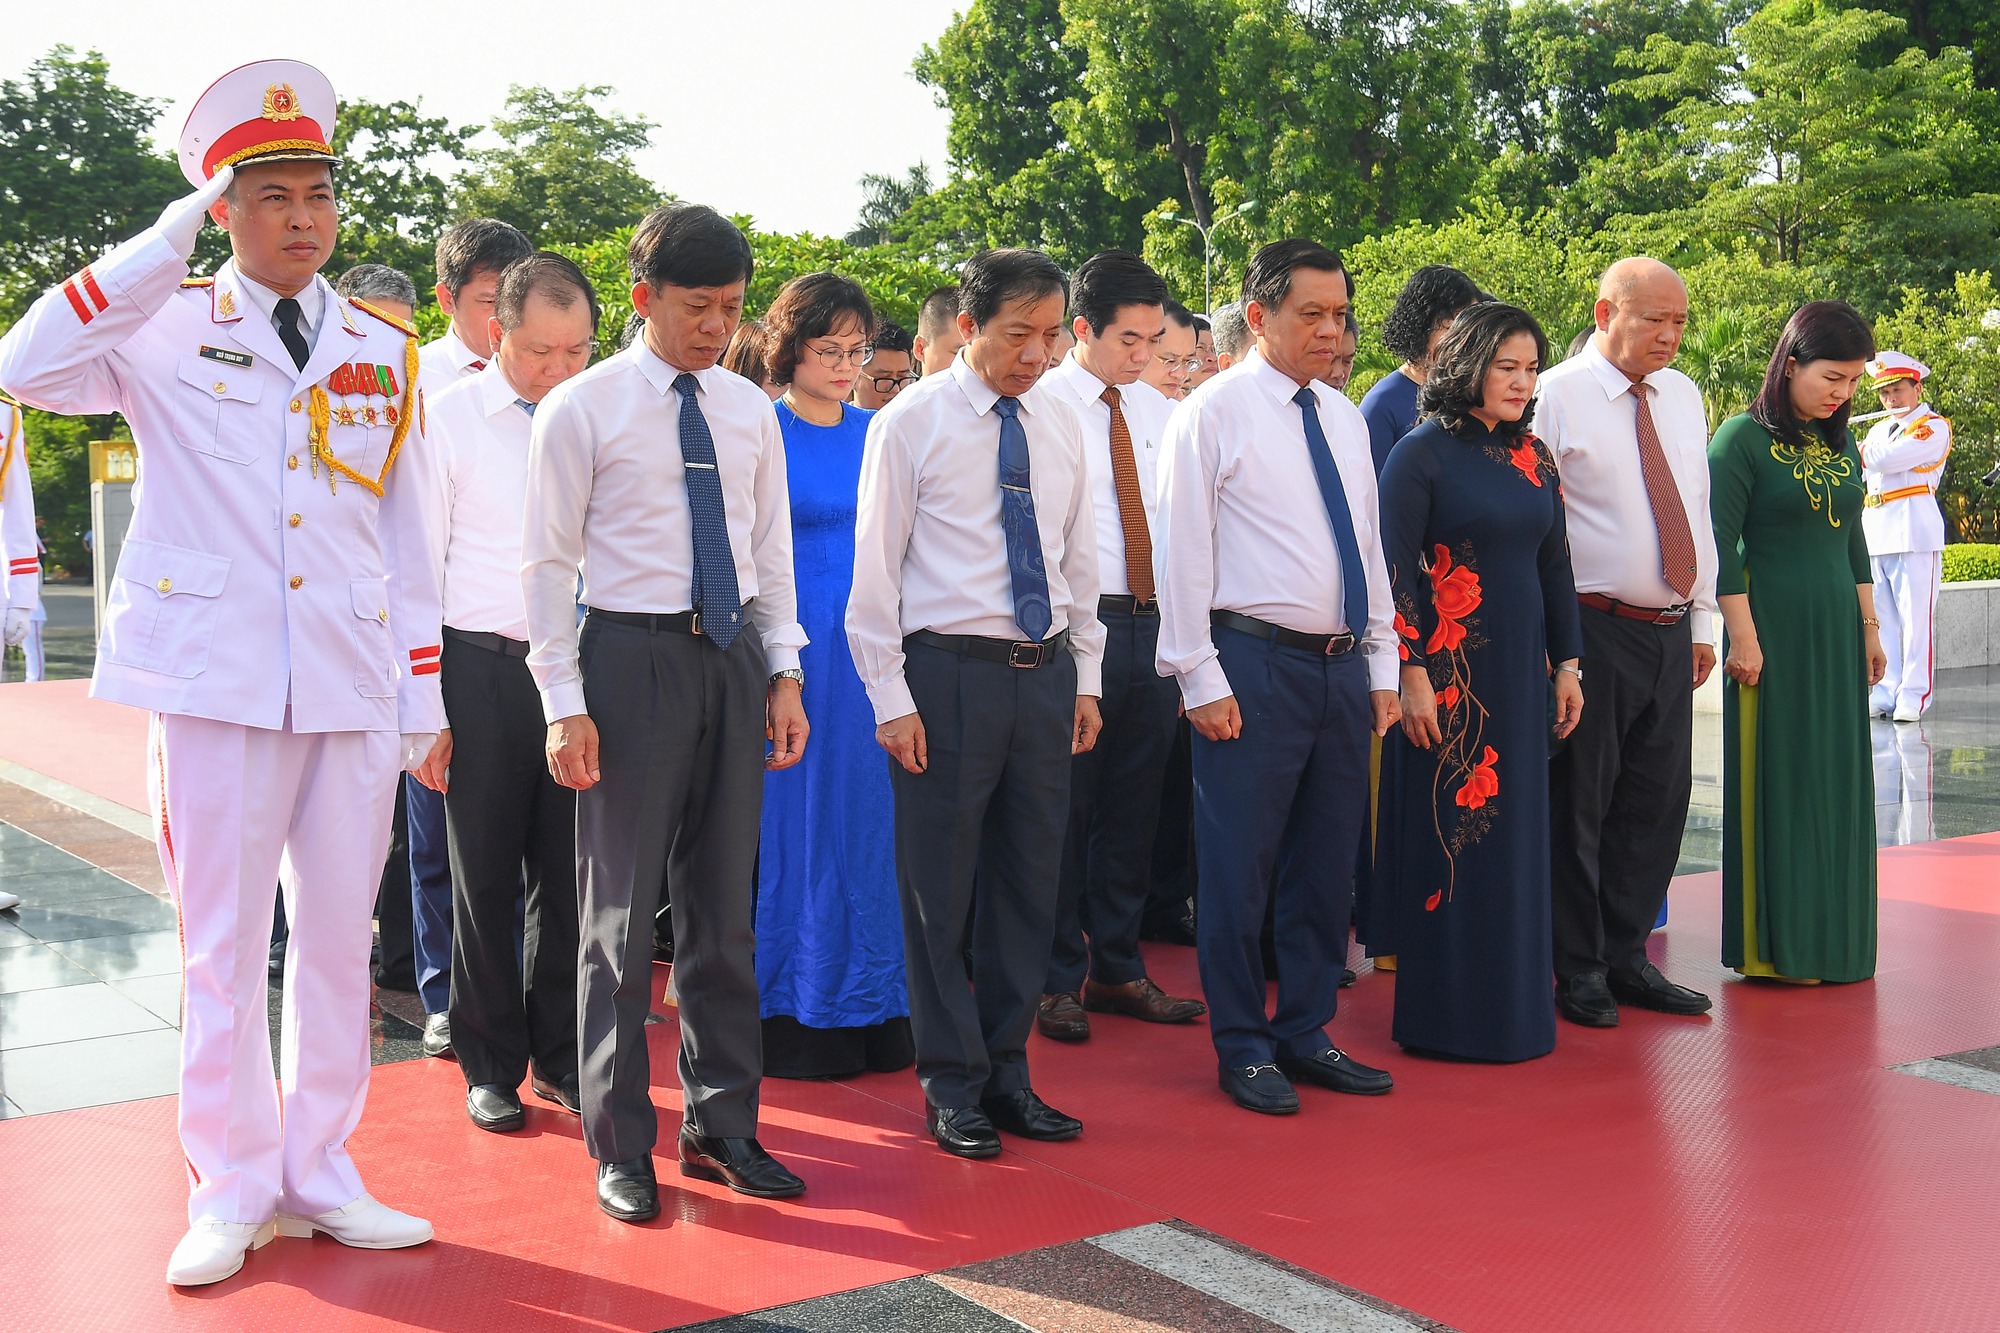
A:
x: 681, y: 749
x: 430, y: 894
x: 1114, y: 807
x: 395, y: 967
x: 1279, y: 811
x: 1173, y: 873
x: 979, y: 838
x: 1618, y: 793
x: 509, y: 825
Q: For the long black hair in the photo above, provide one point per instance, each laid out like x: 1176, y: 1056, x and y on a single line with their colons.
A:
x: 1457, y: 380
x: 1817, y: 331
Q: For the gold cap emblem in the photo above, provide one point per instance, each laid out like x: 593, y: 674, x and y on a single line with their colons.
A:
x: 281, y: 103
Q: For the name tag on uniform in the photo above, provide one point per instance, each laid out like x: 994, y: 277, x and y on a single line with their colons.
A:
x: 227, y: 357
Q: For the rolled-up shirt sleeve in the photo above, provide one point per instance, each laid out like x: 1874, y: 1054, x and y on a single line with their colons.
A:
x: 561, y: 468
x: 885, y: 516
x: 1184, y: 558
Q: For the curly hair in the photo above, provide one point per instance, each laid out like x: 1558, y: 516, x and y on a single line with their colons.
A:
x: 1431, y: 297
x: 1817, y: 331
x: 1457, y: 380
x: 812, y: 305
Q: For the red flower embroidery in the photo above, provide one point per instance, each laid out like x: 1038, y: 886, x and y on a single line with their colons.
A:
x: 1482, y: 784
x: 1404, y: 630
x: 1455, y: 593
x: 1431, y: 903
x: 1448, y: 698
x: 1526, y: 461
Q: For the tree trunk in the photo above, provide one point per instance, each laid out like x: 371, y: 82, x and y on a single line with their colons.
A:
x: 1191, y: 158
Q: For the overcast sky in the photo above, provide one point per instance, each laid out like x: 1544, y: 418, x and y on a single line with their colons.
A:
x: 769, y: 107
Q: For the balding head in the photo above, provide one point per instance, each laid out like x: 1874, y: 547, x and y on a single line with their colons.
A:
x: 1642, y: 312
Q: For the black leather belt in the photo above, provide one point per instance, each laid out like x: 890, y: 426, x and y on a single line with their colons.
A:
x: 1126, y: 605
x: 1007, y: 652
x: 653, y: 622
x: 1327, y: 645
x: 1651, y: 615
x: 492, y: 643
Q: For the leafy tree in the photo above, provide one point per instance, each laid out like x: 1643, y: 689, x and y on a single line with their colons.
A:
x: 1957, y: 334
x: 564, y: 170
x: 392, y: 204
x: 59, y: 466
x: 1936, y: 24
x: 885, y: 199
x: 78, y: 172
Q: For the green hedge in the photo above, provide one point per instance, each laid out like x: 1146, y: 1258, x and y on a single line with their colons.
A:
x: 1967, y: 561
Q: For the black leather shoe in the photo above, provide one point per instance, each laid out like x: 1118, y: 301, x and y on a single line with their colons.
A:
x: 437, y: 1035
x: 565, y: 1094
x: 1650, y: 990
x: 1585, y: 1000
x: 627, y: 1190
x: 1260, y: 1088
x: 1177, y: 928
x: 1027, y: 1115
x: 962, y: 1131
x: 1338, y: 1071
x: 274, y: 967
x: 741, y: 1164
x: 494, y: 1108
x: 1347, y: 977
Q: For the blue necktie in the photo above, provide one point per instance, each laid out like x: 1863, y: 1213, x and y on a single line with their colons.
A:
x: 715, y: 593
x: 1024, y: 537
x: 525, y: 406
x: 1353, y: 582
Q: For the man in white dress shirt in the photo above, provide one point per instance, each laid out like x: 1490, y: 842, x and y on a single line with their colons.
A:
x: 509, y: 823
x: 276, y: 611
x: 471, y: 256
x: 1630, y: 437
x: 1275, y: 618
x: 937, y: 339
x: 973, y: 624
x: 662, y: 476
x: 1114, y: 802
x: 1904, y: 457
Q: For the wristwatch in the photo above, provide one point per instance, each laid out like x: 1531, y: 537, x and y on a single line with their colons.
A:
x: 790, y: 673
x: 1576, y: 671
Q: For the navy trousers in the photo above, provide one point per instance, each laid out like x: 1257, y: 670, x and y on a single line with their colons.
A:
x: 430, y: 894
x: 1279, y: 812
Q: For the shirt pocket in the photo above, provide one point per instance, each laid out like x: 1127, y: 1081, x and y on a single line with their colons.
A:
x: 215, y: 409
x: 374, y: 645
x: 163, y: 607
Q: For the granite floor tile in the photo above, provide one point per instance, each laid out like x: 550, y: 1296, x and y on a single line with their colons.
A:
x: 11, y: 935
x: 160, y: 995
x: 69, y: 1014
x: 914, y: 1305
x: 129, y: 915
x: 40, y: 968
x: 8, y: 1110
x: 66, y: 1075
x: 1082, y: 1288
x: 37, y: 858
x: 148, y: 953
x: 79, y: 884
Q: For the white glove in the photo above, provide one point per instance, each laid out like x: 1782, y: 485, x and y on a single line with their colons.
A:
x: 181, y: 222
x: 416, y: 749
x: 18, y: 618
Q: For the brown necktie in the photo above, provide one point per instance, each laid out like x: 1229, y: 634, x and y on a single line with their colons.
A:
x: 1669, y: 512
x: 1131, y: 505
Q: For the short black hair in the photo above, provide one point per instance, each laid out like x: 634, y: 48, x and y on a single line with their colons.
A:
x: 689, y: 245
x: 1817, y: 331
x: 1179, y: 314
x: 377, y: 282
x: 1201, y: 323
x: 811, y: 305
x: 475, y: 246
x: 893, y: 337
x: 1432, y: 296
x: 938, y: 312
x: 1111, y: 280
x: 556, y: 278
x: 1456, y: 383
x: 992, y: 278
x: 1268, y: 279
x: 747, y: 350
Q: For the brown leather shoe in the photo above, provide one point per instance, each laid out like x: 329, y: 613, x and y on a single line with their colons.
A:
x: 1140, y: 999
x: 1060, y: 1018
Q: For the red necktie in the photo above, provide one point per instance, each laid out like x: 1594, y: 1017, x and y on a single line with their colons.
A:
x: 1677, y: 557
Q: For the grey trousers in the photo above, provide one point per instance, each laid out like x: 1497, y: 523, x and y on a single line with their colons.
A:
x: 979, y: 844
x: 680, y: 727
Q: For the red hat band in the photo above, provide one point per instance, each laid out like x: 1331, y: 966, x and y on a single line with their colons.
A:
x: 252, y: 139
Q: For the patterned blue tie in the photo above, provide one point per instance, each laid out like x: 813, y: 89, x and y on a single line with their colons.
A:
x: 715, y: 593
x: 1024, y: 539
x: 1353, y: 582
x: 525, y: 406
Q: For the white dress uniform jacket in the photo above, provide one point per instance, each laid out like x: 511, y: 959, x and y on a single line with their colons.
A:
x: 1904, y: 457
x: 253, y: 587
x: 23, y: 588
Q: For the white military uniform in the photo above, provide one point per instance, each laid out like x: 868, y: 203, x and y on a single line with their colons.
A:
x: 1903, y: 459
x: 18, y: 542
x: 282, y: 625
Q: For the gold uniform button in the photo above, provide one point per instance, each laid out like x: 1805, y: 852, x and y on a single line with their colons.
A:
x: 295, y: 405
x: 296, y: 520
x: 293, y: 462
x: 220, y: 387
x: 165, y: 585
x: 297, y: 581
x: 383, y: 615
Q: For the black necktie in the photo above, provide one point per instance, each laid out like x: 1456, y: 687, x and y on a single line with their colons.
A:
x: 288, y: 331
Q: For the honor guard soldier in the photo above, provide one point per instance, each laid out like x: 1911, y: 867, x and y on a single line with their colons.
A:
x: 1904, y: 458
x: 275, y: 609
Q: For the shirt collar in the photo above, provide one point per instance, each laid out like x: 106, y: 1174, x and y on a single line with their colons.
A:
x: 661, y: 375
x: 1082, y: 381
x: 982, y: 395
x: 312, y: 301
x: 456, y: 352
x: 1277, y: 383
x: 496, y: 393
x: 1609, y: 377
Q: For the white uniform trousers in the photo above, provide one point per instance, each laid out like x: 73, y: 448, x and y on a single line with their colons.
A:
x: 1906, y: 593
x: 233, y: 806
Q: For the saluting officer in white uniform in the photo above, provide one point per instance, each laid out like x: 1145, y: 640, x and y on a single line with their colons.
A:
x: 276, y: 610
x: 1903, y: 458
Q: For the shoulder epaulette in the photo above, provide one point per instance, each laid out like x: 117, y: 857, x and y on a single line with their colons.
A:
x: 406, y: 329
x: 197, y: 282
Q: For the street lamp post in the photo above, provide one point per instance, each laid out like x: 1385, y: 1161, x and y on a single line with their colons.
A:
x: 1208, y: 248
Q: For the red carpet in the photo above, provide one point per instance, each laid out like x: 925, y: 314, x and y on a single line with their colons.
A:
x: 1758, y: 1169
x: 56, y: 728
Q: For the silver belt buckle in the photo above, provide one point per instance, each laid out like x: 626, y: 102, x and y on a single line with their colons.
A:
x: 694, y: 626
x: 1014, y: 658
x: 1336, y: 644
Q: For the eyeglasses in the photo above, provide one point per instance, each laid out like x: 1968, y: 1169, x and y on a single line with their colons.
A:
x: 891, y: 383
x: 1173, y: 363
x: 833, y: 358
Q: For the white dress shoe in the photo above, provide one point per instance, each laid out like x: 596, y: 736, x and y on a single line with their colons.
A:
x: 364, y: 1224
x: 1907, y: 713
x: 9, y: 901
x: 213, y: 1250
